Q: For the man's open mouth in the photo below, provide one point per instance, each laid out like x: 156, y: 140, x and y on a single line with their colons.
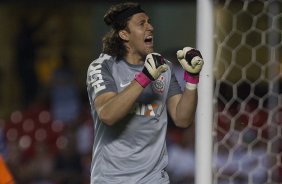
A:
x: 149, y: 40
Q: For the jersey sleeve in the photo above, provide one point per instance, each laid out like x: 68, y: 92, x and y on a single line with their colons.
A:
x: 99, y: 77
x: 174, y: 87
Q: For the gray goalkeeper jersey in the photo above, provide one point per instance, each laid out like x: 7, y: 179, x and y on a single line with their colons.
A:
x: 133, y: 151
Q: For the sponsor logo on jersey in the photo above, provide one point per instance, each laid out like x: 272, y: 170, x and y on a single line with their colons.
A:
x: 96, y: 78
x: 144, y: 109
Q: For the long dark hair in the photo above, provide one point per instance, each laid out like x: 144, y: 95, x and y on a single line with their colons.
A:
x: 112, y: 43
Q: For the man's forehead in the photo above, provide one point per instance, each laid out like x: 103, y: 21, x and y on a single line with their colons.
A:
x: 139, y: 16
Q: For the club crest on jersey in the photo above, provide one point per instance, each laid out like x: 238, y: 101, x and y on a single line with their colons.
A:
x: 159, y: 85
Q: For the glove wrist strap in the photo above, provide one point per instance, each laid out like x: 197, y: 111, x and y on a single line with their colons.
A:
x: 142, y: 79
x: 191, y: 86
x: 190, y: 78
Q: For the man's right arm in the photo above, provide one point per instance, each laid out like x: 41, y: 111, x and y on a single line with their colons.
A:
x: 111, y: 107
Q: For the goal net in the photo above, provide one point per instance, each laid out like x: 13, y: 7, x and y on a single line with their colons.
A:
x: 247, y: 133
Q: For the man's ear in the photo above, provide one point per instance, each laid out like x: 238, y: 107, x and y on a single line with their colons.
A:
x: 123, y: 34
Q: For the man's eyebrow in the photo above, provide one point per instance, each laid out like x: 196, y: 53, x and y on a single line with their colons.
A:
x: 145, y: 20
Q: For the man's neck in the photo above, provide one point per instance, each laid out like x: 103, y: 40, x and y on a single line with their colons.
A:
x: 134, y: 59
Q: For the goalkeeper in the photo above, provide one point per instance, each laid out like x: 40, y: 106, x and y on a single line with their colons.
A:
x: 131, y: 88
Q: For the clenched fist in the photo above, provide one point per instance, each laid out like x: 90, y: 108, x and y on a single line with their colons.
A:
x: 154, y: 66
x: 191, y: 60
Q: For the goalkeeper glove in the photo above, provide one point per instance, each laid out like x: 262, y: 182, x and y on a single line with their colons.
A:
x: 154, y: 66
x: 192, y: 62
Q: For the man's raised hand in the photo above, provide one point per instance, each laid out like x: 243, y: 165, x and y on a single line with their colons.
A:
x: 192, y: 62
x: 154, y: 66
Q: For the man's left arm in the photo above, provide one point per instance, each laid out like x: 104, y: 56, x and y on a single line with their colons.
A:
x: 182, y: 107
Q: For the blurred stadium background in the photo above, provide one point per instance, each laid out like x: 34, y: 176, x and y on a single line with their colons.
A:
x: 46, y: 131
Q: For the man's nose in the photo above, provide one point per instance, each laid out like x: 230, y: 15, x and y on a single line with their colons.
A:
x: 150, y: 27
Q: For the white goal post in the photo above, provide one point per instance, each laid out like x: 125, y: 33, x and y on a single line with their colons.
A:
x: 204, y: 116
